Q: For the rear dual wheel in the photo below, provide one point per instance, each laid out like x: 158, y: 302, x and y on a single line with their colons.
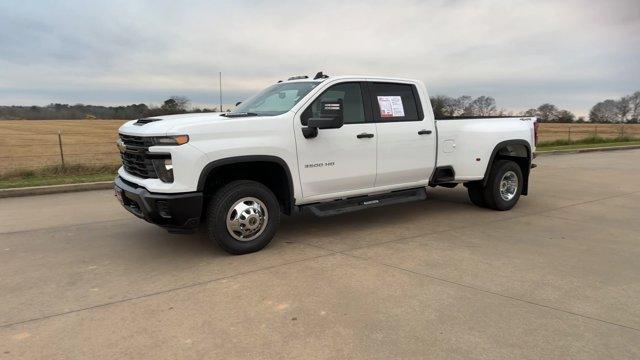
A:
x: 503, y: 187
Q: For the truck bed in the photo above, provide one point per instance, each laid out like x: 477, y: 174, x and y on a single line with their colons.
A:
x: 479, y: 117
x: 466, y: 143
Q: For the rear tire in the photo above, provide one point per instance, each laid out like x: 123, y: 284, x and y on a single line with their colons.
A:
x: 242, y: 217
x: 504, y: 185
x: 476, y: 194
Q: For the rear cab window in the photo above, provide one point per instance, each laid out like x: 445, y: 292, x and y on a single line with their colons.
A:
x: 395, y: 102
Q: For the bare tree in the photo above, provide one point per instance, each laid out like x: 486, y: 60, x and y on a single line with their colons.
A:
x: 438, y: 105
x: 462, y: 106
x: 634, y: 103
x: 547, y: 112
x: 605, y: 111
x: 175, y: 105
x: 624, y: 107
x: 481, y: 106
x: 456, y: 106
x: 181, y: 102
x: 565, y: 116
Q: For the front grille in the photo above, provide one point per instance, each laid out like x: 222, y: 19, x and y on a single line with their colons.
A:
x: 135, y: 157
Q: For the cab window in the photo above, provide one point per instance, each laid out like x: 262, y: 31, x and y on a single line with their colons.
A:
x: 352, y: 102
x: 395, y: 102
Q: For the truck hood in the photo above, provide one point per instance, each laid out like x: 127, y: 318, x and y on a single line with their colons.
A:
x: 170, y: 124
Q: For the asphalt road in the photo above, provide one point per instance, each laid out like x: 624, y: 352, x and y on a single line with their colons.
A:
x: 556, y: 277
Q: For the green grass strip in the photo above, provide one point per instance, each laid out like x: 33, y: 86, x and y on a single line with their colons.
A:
x: 586, y: 146
x: 57, y: 175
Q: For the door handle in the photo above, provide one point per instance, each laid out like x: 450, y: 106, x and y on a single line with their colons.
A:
x: 364, y: 135
x: 424, y: 132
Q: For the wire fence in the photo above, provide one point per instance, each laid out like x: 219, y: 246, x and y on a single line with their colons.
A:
x: 573, y: 132
x: 35, y: 151
x: 98, y: 148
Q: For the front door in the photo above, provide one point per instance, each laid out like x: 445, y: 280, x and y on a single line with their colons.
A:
x: 338, y: 162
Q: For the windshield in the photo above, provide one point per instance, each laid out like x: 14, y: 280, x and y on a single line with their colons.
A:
x: 276, y: 99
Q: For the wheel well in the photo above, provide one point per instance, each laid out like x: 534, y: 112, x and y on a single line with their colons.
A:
x: 517, y: 151
x: 271, y: 174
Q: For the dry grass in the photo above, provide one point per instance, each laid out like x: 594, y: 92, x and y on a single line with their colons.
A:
x: 32, y: 144
x: 551, y: 132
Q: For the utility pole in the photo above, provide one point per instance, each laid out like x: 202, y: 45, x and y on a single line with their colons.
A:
x: 220, y: 77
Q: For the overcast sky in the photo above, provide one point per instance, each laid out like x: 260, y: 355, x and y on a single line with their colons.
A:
x: 572, y: 53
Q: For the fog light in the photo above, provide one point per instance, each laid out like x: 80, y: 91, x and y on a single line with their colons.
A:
x: 164, y: 169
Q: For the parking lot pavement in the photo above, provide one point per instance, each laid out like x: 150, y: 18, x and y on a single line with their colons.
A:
x: 556, y: 277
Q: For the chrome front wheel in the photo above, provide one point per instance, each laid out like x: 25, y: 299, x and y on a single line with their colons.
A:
x: 247, y: 218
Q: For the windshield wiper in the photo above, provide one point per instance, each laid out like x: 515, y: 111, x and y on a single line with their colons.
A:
x: 242, y: 114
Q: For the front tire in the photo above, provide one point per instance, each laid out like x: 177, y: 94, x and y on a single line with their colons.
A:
x: 243, y: 216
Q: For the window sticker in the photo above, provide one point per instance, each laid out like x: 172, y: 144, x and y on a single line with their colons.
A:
x: 390, y: 106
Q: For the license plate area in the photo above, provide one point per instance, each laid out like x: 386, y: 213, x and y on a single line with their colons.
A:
x: 128, y: 203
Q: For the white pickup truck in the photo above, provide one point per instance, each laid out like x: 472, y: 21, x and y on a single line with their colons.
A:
x: 328, y: 144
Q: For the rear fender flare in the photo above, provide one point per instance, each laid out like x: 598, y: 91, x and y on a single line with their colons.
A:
x: 513, y: 148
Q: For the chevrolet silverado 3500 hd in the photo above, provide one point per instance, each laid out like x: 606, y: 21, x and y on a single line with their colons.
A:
x: 328, y: 144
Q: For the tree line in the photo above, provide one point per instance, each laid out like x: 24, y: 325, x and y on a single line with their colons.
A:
x: 626, y: 110
x: 444, y: 106
x: 173, y: 105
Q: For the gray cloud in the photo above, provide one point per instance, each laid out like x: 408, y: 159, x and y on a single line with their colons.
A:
x: 523, y: 52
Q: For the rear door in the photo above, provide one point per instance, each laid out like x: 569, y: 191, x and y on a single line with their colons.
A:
x: 406, y: 137
x: 338, y: 162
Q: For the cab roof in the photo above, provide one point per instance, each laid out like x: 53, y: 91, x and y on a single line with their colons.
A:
x: 340, y: 77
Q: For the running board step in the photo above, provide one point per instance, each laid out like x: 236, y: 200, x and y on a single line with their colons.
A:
x: 366, y: 202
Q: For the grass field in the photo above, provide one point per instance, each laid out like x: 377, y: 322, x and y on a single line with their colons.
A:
x: 550, y: 132
x: 32, y: 144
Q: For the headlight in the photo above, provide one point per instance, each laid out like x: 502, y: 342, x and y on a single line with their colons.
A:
x: 171, y: 140
x: 164, y: 169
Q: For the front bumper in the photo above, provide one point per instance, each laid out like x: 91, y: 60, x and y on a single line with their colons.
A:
x: 174, y: 211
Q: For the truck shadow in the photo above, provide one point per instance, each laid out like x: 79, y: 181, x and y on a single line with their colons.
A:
x: 444, y: 209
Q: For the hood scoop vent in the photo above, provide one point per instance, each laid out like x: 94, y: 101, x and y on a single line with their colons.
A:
x: 143, y: 121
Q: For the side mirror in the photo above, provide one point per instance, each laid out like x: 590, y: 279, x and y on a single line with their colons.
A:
x: 331, y: 115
